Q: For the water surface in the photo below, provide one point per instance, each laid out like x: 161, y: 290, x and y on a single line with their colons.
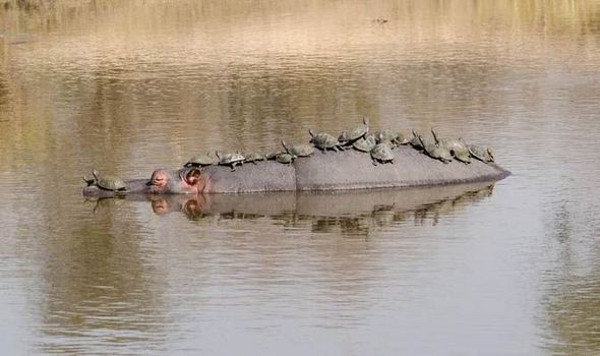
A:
x: 129, y: 86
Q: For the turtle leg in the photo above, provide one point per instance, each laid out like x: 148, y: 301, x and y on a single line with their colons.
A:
x: 233, y: 167
x: 374, y: 162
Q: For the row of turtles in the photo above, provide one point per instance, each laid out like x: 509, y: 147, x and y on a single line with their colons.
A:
x: 378, y: 144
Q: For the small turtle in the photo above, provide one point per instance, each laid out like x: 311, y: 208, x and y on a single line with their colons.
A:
x: 415, y: 142
x: 436, y: 151
x: 483, y: 154
x: 349, y: 137
x: 382, y: 153
x: 272, y: 155
x: 402, y: 139
x: 324, y: 141
x: 299, y: 150
x: 108, y: 182
x: 230, y: 159
x: 386, y: 136
x: 254, y: 157
x: 365, y: 144
x: 457, y: 149
x: 285, y: 158
x: 201, y: 161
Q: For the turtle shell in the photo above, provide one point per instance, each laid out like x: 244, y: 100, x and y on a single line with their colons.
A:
x: 300, y: 150
x: 109, y: 182
x: 382, y: 152
x: 365, y: 144
x: 285, y: 158
x: 348, y: 137
x: 324, y: 140
x: 200, y: 161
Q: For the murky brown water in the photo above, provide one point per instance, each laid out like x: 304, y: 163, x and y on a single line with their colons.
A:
x: 128, y: 86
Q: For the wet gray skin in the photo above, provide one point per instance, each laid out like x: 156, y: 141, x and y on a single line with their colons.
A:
x: 324, y: 141
x: 382, y: 153
x: 299, y: 149
x: 231, y: 159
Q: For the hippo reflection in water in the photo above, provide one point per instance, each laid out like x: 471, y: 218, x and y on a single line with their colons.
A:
x: 351, y: 212
x: 332, y: 171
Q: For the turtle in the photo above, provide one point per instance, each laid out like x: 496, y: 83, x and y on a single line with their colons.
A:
x: 402, y: 139
x: 230, y: 159
x: 386, y: 136
x: 108, y: 182
x: 365, y: 144
x: 457, y: 149
x: 382, y: 153
x: 272, y: 155
x: 324, y: 141
x: 484, y: 154
x: 299, y: 150
x: 349, y: 137
x: 254, y: 157
x: 89, y: 180
x: 436, y: 151
x: 201, y: 161
x: 285, y: 158
x: 415, y: 142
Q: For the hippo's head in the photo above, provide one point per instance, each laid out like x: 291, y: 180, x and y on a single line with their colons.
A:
x: 184, y: 181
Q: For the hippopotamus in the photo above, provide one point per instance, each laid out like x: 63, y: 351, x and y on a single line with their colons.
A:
x: 322, y: 171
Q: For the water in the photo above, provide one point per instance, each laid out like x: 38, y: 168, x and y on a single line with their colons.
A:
x: 129, y: 86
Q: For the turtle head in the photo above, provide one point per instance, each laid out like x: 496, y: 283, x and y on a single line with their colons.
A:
x: 489, y: 151
x: 365, y: 121
x: 435, y: 136
x: 284, y: 144
x: 420, y: 139
x: 218, y: 154
x: 415, y: 134
x: 95, y: 173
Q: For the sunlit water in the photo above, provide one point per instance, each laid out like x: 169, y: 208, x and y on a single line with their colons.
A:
x: 128, y: 86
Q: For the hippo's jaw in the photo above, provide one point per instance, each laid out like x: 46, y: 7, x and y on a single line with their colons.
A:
x: 184, y: 181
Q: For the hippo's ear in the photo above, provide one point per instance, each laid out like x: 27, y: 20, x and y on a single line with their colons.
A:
x: 192, y: 176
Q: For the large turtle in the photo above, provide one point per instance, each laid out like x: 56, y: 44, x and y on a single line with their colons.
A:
x: 254, y: 157
x: 365, y: 144
x: 107, y: 182
x: 457, y: 149
x: 349, y: 137
x: 436, y: 151
x: 484, y: 154
x: 201, y: 161
x: 230, y: 159
x: 285, y: 158
x: 299, y: 150
x: 324, y: 141
x: 382, y: 153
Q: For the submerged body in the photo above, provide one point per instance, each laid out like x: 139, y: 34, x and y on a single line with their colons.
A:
x: 332, y: 171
